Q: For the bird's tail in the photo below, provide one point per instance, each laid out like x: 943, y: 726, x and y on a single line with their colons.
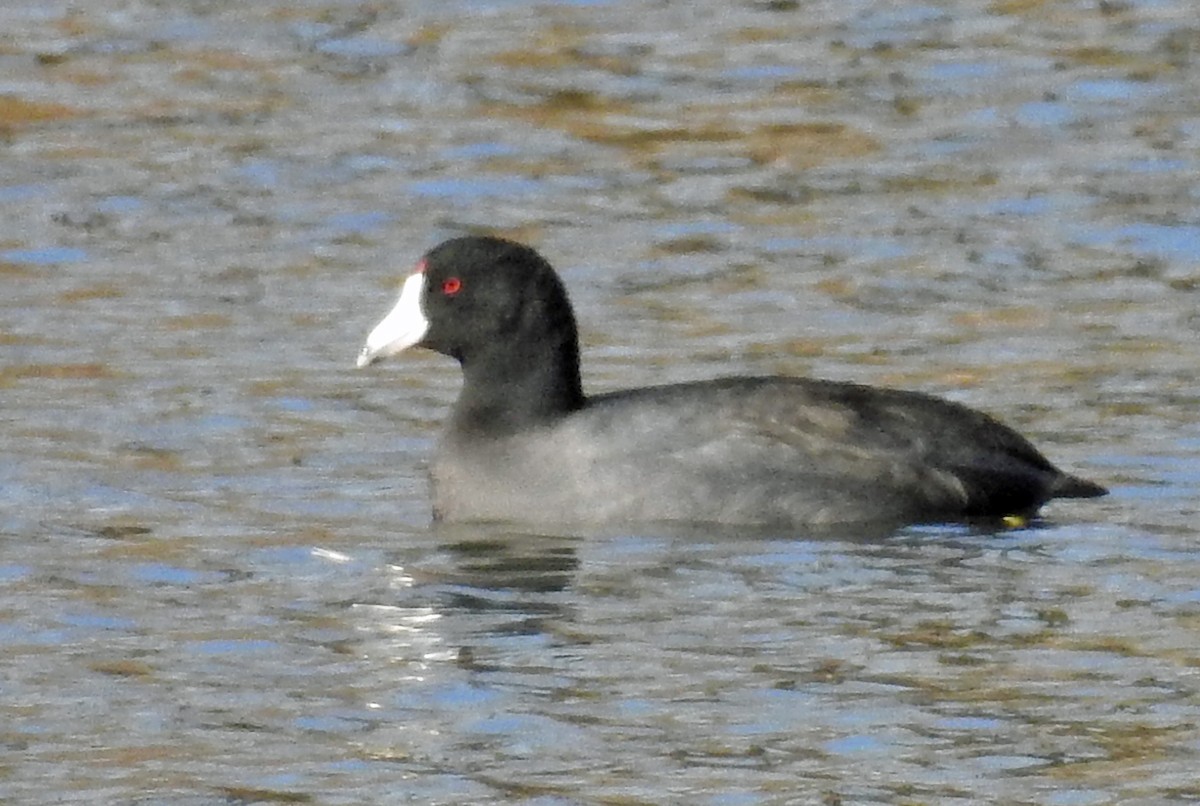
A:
x: 1068, y: 486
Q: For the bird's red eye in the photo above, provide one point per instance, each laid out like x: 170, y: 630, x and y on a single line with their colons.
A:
x: 451, y: 286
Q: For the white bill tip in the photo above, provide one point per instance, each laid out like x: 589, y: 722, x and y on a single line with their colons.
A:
x: 404, y: 326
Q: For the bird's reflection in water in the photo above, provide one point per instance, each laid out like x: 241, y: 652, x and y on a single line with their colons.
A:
x: 519, y: 580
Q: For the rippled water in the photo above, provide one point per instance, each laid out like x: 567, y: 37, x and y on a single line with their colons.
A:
x: 218, y: 580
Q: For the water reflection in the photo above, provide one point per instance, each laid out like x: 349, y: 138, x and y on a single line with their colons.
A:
x: 970, y: 642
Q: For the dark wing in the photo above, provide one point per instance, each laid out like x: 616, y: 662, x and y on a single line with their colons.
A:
x: 818, y: 451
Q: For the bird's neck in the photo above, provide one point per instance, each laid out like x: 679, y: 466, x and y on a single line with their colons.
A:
x: 510, y: 390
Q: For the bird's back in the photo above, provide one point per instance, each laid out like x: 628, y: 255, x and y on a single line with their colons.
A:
x: 752, y: 450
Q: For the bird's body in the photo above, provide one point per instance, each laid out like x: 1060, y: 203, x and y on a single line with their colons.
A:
x: 524, y: 445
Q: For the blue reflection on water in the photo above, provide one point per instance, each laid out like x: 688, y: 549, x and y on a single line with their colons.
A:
x: 119, y: 204
x: 1045, y: 113
x: 465, y: 189
x: 21, y: 193
x: 45, y: 256
x: 475, y: 151
x: 162, y: 574
x: 98, y: 621
x: 1023, y: 206
x: 860, y: 743
x: 1164, y: 241
x: 362, y: 47
x: 358, y: 223
x: 1110, y: 89
x: 13, y: 573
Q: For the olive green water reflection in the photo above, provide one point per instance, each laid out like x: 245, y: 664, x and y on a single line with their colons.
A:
x: 218, y: 582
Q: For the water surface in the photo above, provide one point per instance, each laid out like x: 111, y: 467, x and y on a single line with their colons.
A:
x: 219, y: 583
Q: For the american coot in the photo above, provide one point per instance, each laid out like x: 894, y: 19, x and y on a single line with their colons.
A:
x: 525, y: 445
